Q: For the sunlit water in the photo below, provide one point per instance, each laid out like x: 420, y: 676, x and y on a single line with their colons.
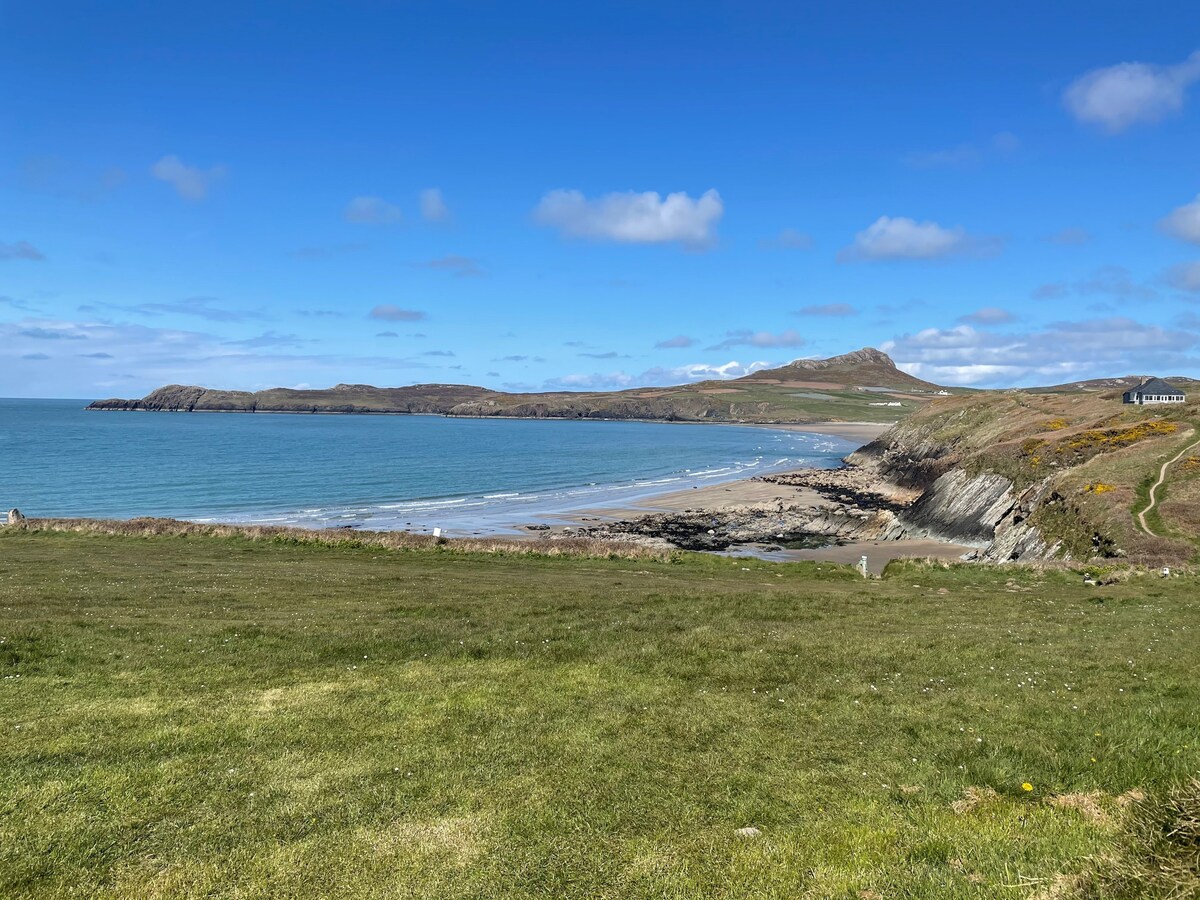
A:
x: 381, y: 472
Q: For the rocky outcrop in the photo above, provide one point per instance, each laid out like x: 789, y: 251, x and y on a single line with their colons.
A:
x: 714, y: 530
x: 15, y: 516
x: 985, y: 510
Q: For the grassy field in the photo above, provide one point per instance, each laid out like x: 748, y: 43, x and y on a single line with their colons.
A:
x: 189, y: 717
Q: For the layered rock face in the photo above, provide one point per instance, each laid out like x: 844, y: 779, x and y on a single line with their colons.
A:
x: 983, y: 509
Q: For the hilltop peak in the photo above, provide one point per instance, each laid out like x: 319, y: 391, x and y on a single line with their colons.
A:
x: 865, y: 356
x: 866, y: 367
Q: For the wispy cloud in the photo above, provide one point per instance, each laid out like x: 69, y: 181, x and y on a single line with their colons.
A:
x: 433, y: 206
x: 901, y: 238
x: 658, y: 376
x: 1112, y: 281
x: 1070, y: 237
x: 676, y: 343
x: 1000, y: 146
x: 190, y: 182
x: 372, y: 211
x: 1131, y: 93
x: 198, y: 307
x: 14, y: 303
x: 1063, y: 351
x: 836, y: 310
x: 324, y: 252
x: 146, y: 357
x: 1184, y: 222
x: 462, y: 266
x: 609, y: 354
x: 20, y: 250
x: 634, y: 218
x: 988, y: 315
x: 747, y: 338
x: 390, y: 313
x: 40, y: 333
x: 269, y: 339
x: 1184, y: 277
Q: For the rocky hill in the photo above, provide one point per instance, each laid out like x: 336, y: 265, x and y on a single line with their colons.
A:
x: 861, y: 386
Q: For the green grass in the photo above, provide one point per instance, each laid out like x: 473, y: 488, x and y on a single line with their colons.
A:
x: 187, y: 717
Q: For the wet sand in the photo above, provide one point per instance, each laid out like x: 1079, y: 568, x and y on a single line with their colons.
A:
x: 857, y: 432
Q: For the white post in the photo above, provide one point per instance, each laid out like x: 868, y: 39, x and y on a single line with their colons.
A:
x: 862, y: 566
x: 437, y: 532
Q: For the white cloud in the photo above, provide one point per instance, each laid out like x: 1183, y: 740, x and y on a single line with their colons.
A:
x: 372, y: 211
x: 20, y: 250
x: 190, y: 182
x: 1063, y: 351
x: 1184, y: 222
x: 1184, y: 277
x: 904, y: 238
x: 744, y: 337
x: 633, y: 218
x: 1126, y: 94
x: 433, y: 206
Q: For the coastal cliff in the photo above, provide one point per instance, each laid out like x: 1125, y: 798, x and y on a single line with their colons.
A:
x: 1018, y: 476
x: 1037, y: 475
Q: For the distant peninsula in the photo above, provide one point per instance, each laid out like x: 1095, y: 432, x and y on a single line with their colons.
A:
x: 862, y: 386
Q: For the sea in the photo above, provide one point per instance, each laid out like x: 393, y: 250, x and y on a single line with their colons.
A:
x: 385, y: 472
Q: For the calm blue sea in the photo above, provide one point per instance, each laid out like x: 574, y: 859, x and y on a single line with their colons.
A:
x: 382, y: 472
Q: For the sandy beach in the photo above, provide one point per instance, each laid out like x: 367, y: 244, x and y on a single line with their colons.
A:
x: 754, y: 494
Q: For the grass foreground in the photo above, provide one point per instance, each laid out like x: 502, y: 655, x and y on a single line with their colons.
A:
x: 207, y: 716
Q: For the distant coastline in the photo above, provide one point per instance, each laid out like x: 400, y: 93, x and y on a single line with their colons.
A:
x: 863, y: 386
x: 850, y: 431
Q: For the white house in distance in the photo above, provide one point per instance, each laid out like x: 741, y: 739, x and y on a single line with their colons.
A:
x: 1154, y: 390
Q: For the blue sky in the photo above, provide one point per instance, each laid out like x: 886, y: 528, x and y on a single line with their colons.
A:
x: 558, y: 195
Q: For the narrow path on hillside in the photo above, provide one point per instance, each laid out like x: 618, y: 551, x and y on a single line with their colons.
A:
x: 1162, y: 476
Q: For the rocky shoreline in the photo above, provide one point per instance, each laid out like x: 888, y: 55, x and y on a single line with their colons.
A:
x: 833, y: 506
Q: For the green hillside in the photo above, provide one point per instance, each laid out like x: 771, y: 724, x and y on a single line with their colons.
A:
x: 207, y: 717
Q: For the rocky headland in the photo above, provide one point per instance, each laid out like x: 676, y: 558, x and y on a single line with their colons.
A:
x: 1014, y: 477
x: 863, y: 385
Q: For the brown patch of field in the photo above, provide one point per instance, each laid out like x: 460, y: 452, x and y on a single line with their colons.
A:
x: 1087, y: 805
x: 973, y: 798
x: 720, y: 391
